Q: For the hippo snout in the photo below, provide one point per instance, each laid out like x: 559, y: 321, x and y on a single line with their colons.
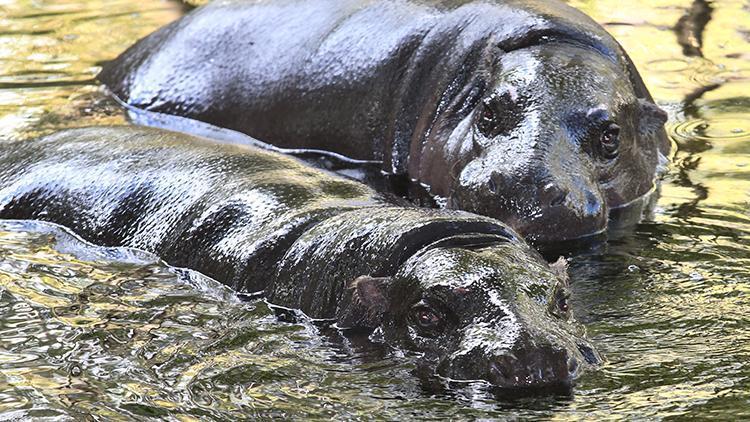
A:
x: 571, y: 212
x: 533, y: 368
x: 542, y: 368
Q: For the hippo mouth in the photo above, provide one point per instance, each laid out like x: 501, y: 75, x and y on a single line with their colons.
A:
x: 543, y: 370
x: 546, y: 378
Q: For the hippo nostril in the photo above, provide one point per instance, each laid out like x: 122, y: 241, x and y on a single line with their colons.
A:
x: 593, y: 204
x: 495, y: 183
x: 503, y: 371
x: 557, y: 195
x: 492, y: 185
x: 500, y: 371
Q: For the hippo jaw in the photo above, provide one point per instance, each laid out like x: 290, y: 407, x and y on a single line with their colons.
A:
x: 491, y: 314
x: 554, y: 142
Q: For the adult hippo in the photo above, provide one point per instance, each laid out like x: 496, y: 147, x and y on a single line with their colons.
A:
x: 462, y: 289
x: 522, y: 110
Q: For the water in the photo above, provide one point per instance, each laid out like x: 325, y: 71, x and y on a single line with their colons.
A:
x: 117, y: 334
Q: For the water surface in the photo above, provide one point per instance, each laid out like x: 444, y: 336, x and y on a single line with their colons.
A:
x: 117, y: 334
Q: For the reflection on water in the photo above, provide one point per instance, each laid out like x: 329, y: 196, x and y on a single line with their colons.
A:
x: 50, y: 52
x: 670, y: 304
x: 119, y: 335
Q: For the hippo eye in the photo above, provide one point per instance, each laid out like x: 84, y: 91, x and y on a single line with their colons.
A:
x: 426, y: 318
x: 610, y: 141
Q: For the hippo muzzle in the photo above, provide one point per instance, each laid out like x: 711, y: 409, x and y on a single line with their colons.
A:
x: 544, y: 204
x: 546, y: 367
x: 530, y: 360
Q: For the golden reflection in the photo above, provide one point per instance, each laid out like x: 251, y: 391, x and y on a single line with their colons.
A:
x: 23, y: 288
x: 51, y: 51
x: 645, y: 28
x: 36, y: 378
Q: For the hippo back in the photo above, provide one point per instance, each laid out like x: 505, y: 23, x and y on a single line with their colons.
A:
x: 362, y: 78
x: 193, y: 202
x: 253, y: 219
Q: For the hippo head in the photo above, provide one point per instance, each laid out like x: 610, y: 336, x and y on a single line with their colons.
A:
x: 549, y: 140
x: 494, y: 313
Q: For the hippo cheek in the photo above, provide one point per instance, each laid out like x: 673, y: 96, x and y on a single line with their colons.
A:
x: 629, y: 180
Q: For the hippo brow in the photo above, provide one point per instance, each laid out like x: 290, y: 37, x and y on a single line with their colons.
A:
x: 552, y: 35
x: 473, y: 235
x: 471, y: 241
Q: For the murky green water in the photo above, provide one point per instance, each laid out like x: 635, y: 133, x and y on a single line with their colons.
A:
x: 87, y: 332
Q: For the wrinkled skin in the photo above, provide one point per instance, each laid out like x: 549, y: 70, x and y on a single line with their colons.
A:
x: 461, y: 288
x: 526, y: 111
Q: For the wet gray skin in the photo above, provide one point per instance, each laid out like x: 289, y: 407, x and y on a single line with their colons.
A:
x: 526, y: 111
x: 462, y: 289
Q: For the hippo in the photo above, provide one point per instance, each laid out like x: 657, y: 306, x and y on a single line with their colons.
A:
x: 522, y: 110
x: 462, y: 289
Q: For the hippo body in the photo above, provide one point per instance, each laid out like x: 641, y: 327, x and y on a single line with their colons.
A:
x: 522, y: 110
x: 459, y: 287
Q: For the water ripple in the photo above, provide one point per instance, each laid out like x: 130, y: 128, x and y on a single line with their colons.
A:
x: 729, y: 127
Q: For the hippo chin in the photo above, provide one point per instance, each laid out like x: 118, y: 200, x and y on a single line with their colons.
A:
x: 462, y: 289
x: 523, y: 110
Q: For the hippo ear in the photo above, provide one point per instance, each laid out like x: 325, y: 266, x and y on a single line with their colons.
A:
x: 652, y: 118
x: 560, y: 268
x: 367, y: 302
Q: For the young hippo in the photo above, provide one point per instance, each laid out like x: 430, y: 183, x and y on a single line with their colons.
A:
x: 462, y: 289
x: 522, y: 110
